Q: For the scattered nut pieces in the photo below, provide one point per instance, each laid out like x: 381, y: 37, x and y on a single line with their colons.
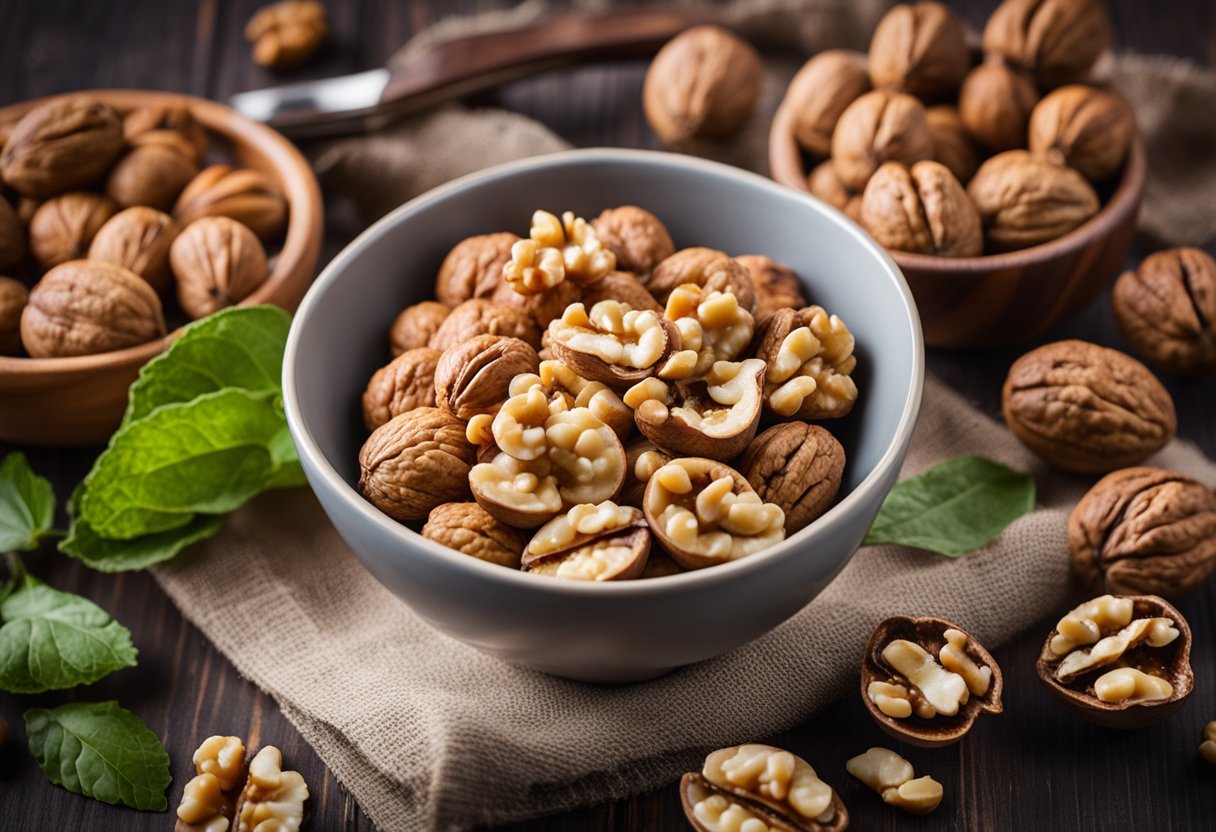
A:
x: 880, y: 126
x: 612, y: 342
x: 272, y: 798
x: 406, y: 382
x: 218, y: 262
x: 711, y: 270
x: 923, y: 210
x: 473, y: 268
x: 995, y: 103
x: 415, y: 326
x: 1057, y: 40
x: 1085, y: 128
x: 414, y: 462
x: 777, y: 287
x: 810, y: 361
x: 797, y: 467
x: 712, y: 325
x: 13, y: 298
x: 1166, y: 309
x: 590, y: 542
x: 247, y: 196
x: 59, y: 146
x: 637, y: 237
x: 475, y: 376
x: 138, y: 239
x: 481, y: 317
x: 1207, y: 748
x: 827, y: 84
x: 468, y: 528
x: 287, y: 33
x: 891, y: 776
x: 919, y: 48
x: 63, y: 227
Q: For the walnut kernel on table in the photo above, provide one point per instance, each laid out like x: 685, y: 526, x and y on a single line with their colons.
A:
x: 895, y: 780
x: 218, y: 262
x: 247, y: 196
x: 1166, y: 309
x: 406, y: 382
x: 824, y: 86
x: 63, y: 227
x: 921, y: 49
x: 272, y: 798
x: 923, y: 210
x: 995, y: 103
x: 138, y: 239
x: 473, y: 268
x: 1024, y: 201
x: 60, y: 146
x: 880, y: 126
x: 287, y: 33
x: 468, y: 528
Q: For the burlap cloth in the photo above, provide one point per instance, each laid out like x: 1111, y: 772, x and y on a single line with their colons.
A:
x: 429, y: 734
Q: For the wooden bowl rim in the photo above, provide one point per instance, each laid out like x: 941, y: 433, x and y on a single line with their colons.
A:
x: 305, y: 217
x: 785, y: 167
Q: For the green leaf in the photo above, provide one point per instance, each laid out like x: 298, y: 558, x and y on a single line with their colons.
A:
x: 953, y: 508
x: 208, y: 456
x: 53, y: 640
x: 102, y: 751
x: 287, y: 471
x: 239, y: 347
x: 27, y: 505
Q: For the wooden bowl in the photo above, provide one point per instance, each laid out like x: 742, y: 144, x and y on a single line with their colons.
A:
x: 1001, y: 299
x: 80, y: 400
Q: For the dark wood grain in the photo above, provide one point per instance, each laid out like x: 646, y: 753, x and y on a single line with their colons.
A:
x: 1034, y: 767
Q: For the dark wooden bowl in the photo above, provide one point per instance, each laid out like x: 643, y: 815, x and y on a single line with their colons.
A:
x: 1008, y: 298
x: 80, y: 400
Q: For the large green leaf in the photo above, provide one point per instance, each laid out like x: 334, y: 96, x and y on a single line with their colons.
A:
x: 27, y: 505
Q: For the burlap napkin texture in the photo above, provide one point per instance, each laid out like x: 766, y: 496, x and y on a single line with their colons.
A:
x: 430, y: 734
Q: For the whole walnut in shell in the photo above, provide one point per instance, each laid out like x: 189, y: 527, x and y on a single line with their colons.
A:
x: 63, y: 227
x: 246, y: 196
x: 797, y: 467
x: 82, y: 307
x: 825, y: 183
x: 406, y: 382
x: 703, y: 82
x: 540, y: 308
x: 59, y: 146
x: 415, y: 462
x: 952, y: 145
x: 469, y: 528
x: 1166, y: 309
x: 881, y: 126
x: 1025, y: 201
x: 473, y: 268
x: 218, y: 262
x: 710, y: 269
x: 12, y: 236
x: 475, y: 375
x: 1144, y: 531
x: 1057, y: 40
x: 415, y: 325
x: 1087, y: 408
x: 13, y: 297
x: 480, y: 317
x: 777, y: 287
x: 176, y: 118
x: 138, y: 239
x: 637, y: 237
x: 622, y: 286
x: 919, y: 48
x: 153, y: 172
x: 1085, y: 128
x: 995, y: 103
x: 820, y: 92
x: 923, y: 210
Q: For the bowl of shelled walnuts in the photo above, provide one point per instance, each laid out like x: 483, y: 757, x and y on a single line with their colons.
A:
x: 124, y: 215
x: 1004, y: 181
x: 605, y: 413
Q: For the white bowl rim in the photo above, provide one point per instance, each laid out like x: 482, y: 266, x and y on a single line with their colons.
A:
x: 307, y: 446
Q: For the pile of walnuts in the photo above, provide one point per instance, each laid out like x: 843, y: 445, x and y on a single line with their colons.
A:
x: 577, y: 394
x: 935, y: 155
x: 113, y: 211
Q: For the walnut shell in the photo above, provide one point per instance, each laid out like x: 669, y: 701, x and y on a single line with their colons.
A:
x: 12, y: 236
x: 831, y: 365
x: 415, y: 462
x: 1087, y: 408
x: 633, y: 534
x: 82, y: 307
x: 542, y: 307
x: 952, y: 145
x: 415, y: 325
x: 677, y: 427
x: 995, y: 103
x: 13, y: 297
x: 1025, y: 201
x: 172, y: 117
x: 152, y: 174
x: 1171, y: 662
x: 767, y: 812
x: 475, y: 375
x: 1144, y: 530
x: 246, y: 196
x: 777, y: 287
x: 63, y: 227
x: 704, y: 82
x: 1085, y: 128
x: 707, y: 268
x: 923, y: 210
x: 1057, y: 40
x: 138, y: 239
x: 880, y: 126
x: 825, y: 183
x: 218, y: 262
x: 637, y: 237
x: 406, y: 382
x: 62, y: 145
x: 796, y: 466
x: 480, y: 317
x: 473, y: 268
x: 468, y: 528
x: 619, y: 377
x: 929, y: 633
x: 1166, y: 309
x: 621, y: 286
x: 820, y: 92
x: 921, y: 49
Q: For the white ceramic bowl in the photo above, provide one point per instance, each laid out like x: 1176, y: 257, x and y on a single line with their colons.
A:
x: 628, y: 630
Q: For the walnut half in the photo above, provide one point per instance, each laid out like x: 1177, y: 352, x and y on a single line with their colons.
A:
x: 590, y: 542
x: 272, y: 798
x: 810, y: 362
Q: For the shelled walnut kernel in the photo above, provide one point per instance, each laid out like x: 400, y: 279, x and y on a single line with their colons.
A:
x: 711, y: 323
x: 590, y: 542
x: 1207, y: 748
x: 209, y: 799
x: 272, y: 798
x: 810, y: 361
x: 612, y: 342
x: 895, y: 780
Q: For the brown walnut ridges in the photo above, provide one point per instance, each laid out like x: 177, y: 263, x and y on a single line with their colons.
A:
x: 797, y: 467
x: 1166, y: 310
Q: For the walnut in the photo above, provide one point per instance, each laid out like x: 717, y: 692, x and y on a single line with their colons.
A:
x: 557, y: 249
x: 620, y: 286
x: 707, y: 268
x: 642, y: 459
x: 152, y: 172
x: 820, y: 92
x: 795, y: 466
x: 777, y: 287
x: 591, y: 542
x: 415, y: 326
x: 923, y: 210
x: 468, y: 528
x: 473, y: 268
x: 703, y: 82
x: 26, y: 208
x: 558, y: 381
x: 63, y: 227
x: 204, y: 806
x: 713, y: 326
x: 760, y: 787
x: 1087, y: 408
x: 1166, y: 309
x: 1057, y: 40
x: 480, y: 317
x: 1087, y: 129
x: 612, y: 342
x: 406, y: 382
x: 921, y: 49
x: 825, y: 183
x: 138, y: 239
x: 218, y: 262
x: 414, y: 462
x: 272, y: 798
x: 13, y: 297
x: 173, y: 117
x: 81, y: 307
x: 1025, y: 201
x: 952, y: 145
x: 637, y: 237
x: 12, y: 236
x: 287, y: 33
x: 1207, y: 748
x: 925, y: 681
x: 1144, y: 530
x: 995, y: 103
x: 880, y: 126
x: 540, y: 308
x: 222, y: 758
x: 895, y: 780
x: 246, y: 196
x: 475, y: 376
x: 810, y: 362
x: 62, y: 145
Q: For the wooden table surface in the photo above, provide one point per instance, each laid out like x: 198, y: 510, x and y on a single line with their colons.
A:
x: 1036, y: 767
